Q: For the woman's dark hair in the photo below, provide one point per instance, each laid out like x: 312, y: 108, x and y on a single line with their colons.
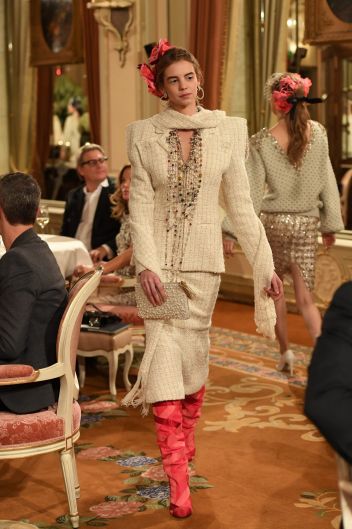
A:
x: 76, y: 102
x: 297, y: 124
x: 174, y: 55
x: 120, y: 206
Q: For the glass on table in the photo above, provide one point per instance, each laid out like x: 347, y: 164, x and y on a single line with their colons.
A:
x: 43, y: 217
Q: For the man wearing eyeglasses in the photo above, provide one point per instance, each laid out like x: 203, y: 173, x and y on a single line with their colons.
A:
x: 87, y: 214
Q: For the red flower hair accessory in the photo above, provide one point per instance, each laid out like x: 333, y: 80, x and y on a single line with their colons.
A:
x: 159, y: 50
x: 147, y: 71
x: 288, y: 87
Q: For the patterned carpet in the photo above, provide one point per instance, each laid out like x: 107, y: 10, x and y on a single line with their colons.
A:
x: 260, y: 463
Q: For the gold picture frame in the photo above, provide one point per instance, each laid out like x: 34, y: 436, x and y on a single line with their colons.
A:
x: 56, y: 32
x: 325, y: 22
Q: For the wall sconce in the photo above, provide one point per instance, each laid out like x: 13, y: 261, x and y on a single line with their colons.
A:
x: 115, y: 16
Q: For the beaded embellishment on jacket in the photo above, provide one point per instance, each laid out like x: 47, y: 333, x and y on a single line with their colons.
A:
x: 184, y: 182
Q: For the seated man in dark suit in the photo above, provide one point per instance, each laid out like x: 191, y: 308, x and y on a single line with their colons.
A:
x: 32, y: 295
x: 328, y: 400
x: 88, y: 209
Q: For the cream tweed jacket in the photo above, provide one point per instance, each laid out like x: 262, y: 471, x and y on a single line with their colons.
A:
x: 225, y: 145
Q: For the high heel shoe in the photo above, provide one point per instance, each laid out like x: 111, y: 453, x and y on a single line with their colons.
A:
x: 286, y: 362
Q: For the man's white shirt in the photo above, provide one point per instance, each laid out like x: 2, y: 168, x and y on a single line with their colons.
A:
x: 84, y: 230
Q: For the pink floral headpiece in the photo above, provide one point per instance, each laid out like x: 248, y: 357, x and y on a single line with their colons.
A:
x: 288, y: 87
x: 147, y: 71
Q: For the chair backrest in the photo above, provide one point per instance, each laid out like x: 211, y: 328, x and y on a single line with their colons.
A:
x: 69, y: 329
x: 68, y: 334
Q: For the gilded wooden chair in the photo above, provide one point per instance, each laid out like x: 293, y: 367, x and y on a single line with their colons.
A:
x: 54, y: 429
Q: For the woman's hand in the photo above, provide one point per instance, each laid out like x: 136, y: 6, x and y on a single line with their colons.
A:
x: 152, y: 287
x: 328, y: 239
x: 276, y: 289
x: 98, y: 254
x: 80, y: 270
x: 229, y: 247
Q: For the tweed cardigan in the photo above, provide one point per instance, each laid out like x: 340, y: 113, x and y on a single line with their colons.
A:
x: 309, y: 189
x: 224, y: 145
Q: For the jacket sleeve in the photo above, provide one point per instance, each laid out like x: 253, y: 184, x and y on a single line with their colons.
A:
x: 330, y: 214
x: 141, y: 207
x: 18, y: 295
x: 72, y: 214
x: 239, y: 206
x: 256, y: 175
x: 105, y: 227
x: 64, y: 227
x: 248, y: 228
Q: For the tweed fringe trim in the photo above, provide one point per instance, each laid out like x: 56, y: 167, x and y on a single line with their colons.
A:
x: 265, y: 324
x: 136, y: 396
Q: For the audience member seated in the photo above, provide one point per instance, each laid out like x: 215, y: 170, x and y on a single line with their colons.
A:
x: 122, y: 262
x: 32, y: 295
x: 328, y: 400
x: 87, y: 213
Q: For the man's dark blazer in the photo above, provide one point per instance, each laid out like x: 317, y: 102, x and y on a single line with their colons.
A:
x: 328, y: 400
x: 104, y: 229
x: 32, y: 300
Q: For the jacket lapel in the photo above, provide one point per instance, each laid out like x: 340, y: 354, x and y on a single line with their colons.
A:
x: 161, y: 138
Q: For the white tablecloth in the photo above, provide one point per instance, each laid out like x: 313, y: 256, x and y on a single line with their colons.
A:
x: 68, y: 252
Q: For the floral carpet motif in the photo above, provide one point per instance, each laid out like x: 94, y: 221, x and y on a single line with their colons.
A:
x: 146, y: 487
x: 252, y: 426
x: 97, y: 408
x: 8, y: 524
x: 323, y: 503
x: 253, y: 403
x: 264, y: 398
x: 255, y: 355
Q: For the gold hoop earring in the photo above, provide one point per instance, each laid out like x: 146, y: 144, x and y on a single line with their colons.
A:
x: 200, y: 93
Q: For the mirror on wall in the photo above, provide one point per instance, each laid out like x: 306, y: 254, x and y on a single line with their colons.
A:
x: 70, y: 130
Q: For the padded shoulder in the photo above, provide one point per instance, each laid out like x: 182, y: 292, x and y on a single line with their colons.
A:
x: 139, y: 130
x: 235, y: 124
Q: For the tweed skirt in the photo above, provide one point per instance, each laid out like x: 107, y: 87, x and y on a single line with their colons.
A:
x: 293, y: 239
x: 176, y: 358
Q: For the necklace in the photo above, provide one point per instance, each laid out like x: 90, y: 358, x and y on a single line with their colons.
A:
x: 183, y: 186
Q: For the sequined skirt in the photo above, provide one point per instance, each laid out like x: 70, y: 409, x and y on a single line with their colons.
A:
x: 293, y: 239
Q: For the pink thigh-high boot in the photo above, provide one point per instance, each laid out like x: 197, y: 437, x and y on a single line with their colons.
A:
x: 191, y: 409
x: 171, y: 441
